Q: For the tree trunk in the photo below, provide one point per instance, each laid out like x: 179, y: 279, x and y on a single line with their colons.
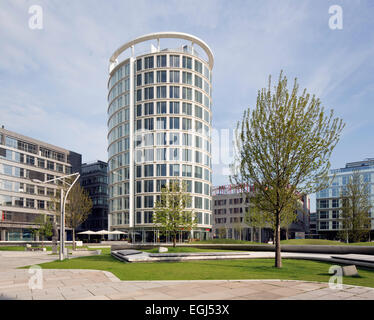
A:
x: 286, y: 233
x: 175, y: 240
x: 73, y: 238
x: 278, y: 258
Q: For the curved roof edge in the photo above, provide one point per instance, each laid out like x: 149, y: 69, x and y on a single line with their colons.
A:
x: 160, y: 35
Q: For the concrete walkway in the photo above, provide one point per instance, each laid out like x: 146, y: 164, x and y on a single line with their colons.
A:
x: 103, y: 285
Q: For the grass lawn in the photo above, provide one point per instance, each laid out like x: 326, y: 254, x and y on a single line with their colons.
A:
x: 211, y: 270
x: 225, y: 241
x: 324, y: 242
x: 49, y: 248
x: 185, y: 249
x: 12, y: 248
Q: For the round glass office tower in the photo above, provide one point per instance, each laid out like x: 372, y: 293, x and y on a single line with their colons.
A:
x: 159, y: 130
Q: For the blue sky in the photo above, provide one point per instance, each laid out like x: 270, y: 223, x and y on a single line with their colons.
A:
x: 53, y: 81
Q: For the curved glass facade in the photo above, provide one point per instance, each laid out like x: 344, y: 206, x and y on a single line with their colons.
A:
x: 171, y: 133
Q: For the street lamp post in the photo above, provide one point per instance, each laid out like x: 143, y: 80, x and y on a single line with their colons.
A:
x: 63, y: 198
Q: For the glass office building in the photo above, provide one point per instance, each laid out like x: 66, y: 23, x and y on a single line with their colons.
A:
x: 94, y: 179
x: 328, y: 202
x: 159, y: 130
x: 23, y: 163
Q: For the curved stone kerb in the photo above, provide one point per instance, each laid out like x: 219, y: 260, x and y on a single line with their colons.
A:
x: 160, y: 35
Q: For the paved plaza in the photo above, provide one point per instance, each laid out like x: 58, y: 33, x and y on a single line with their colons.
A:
x: 103, y: 285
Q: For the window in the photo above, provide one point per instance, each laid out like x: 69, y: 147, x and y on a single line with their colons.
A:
x: 138, y: 217
x: 148, y: 186
x: 138, y: 202
x: 198, y: 172
x: 174, y: 92
x: 161, y: 139
x: 187, y: 139
x: 186, y: 170
x: 148, y: 78
x: 173, y: 154
x: 198, y: 187
x: 148, y: 170
x: 160, y: 185
x: 186, y: 93
x: 161, y: 61
x: 186, y: 124
x: 323, y: 225
x: 187, y: 108
x: 174, y: 61
x: 161, y: 170
x: 148, y: 93
x: 187, y: 62
x: 335, y: 214
x: 148, y: 216
x: 198, y: 142
x: 174, y: 139
x: 173, y: 123
x: 161, y: 123
x: 174, y: 107
x: 148, y: 156
x: 198, y: 112
x: 138, y: 186
x: 198, y: 157
x: 161, y: 76
x: 198, y: 82
x: 139, y: 79
x: 198, y: 202
x: 161, y: 107
x: 148, y: 108
x: 187, y: 155
x: 335, y: 225
x: 324, y: 214
x: 198, y: 96
x: 148, y: 124
x: 138, y: 171
x: 174, y: 76
x: 50, y: 165
x: 139, y: 95
x: 198, y: 127
x: 148, y: 63
x: 161, y: 92
x: 335, y: 203
x: 161, y: 154
x: 174, y: 170
x: 138, y: 64
x: 323, y: 204
x: 187, y: 77
x: 198, y: 66
x: 148, y: 202
x: 138, y: 110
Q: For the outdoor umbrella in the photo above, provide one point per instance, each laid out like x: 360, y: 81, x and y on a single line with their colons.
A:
x: 117, y: 232
x: 103, y: 232
x: 88, y: 233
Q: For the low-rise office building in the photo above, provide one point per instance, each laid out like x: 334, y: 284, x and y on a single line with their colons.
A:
x: 328, y: 204
x: 230, y: 205
x: 24, y: 163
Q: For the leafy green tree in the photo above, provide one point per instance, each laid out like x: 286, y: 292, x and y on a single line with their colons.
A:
x: 77, y: 208
x: 283, y: 147
x: 355, y: 209
x: 45, y: 229
x: 170, y: 211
